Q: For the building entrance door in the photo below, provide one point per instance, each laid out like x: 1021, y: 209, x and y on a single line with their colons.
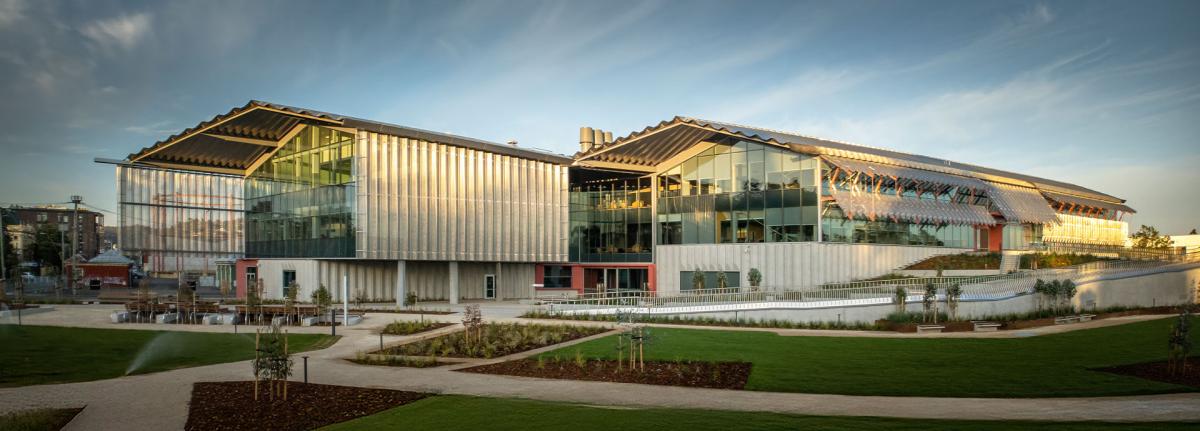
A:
x: 489, y: 286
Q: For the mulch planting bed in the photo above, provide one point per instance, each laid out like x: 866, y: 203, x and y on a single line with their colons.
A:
x: 429, y: 327
x: 718, y: 375
x: 1157, y: 371
x: 231, y: 406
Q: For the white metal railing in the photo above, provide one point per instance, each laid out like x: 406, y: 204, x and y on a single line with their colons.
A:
x: 975, y: 288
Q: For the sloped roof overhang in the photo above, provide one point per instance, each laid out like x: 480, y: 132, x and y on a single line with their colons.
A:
x: 656, y: 144
x: 234, y: 142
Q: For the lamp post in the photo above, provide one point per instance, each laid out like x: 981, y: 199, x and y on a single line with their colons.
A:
x: 75, y: 200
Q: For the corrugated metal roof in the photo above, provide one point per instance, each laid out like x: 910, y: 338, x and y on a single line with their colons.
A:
x: 225, y: 142
x: 1070, y: 199
x: 1021, y: 204
x: 913, y: 210
x: 820, y: 146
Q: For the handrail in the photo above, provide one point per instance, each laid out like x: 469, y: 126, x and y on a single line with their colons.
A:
x: 875, y: 292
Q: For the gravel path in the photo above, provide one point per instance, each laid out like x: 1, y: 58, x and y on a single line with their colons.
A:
x: 159, y: 401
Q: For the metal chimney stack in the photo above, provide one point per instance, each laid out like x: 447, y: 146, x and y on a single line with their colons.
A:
x: 587, y: 138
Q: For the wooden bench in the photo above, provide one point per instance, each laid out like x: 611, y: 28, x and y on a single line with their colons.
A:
x: 984, y: 326
x: 921, y: 329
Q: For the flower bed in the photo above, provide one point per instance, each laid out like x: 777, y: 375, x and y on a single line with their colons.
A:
x: 1158, y: 371
x: 399, y: 361
x: 718, y: 375
x: 493, y: 340
x: 231, y: 406
x: 411, y: 327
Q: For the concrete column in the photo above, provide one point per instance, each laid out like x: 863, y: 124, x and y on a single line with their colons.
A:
x: 499, y: 276
x: 401, y: 284
x: 453, y: 296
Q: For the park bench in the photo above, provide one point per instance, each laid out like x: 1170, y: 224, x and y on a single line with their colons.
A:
x: 984, y: 326
x: 1086, y: 317
x: 921, y: 329
x: 1065, y: 320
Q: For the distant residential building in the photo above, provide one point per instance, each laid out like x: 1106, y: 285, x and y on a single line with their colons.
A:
x: 28, y: 219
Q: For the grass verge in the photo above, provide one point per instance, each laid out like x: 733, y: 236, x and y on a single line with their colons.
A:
x: 37, y: 420
x: 1046, y: 366
x: 463, y: 412
x: 34, y: 355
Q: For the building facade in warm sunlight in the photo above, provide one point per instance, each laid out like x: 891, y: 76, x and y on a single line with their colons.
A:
x: 281, y: 194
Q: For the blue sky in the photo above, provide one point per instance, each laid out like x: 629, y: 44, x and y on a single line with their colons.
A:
x: 1102, y: 94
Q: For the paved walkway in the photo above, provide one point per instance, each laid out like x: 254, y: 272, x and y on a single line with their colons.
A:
x: 159, y: 401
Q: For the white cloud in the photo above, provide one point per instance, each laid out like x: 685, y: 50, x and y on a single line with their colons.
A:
x: 155, y: 129
x: 11, y: 11
x: 121, y: 32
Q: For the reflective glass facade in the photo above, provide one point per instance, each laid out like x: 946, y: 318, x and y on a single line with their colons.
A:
x: 836, y: 228
x: 179, y: 221
x: 739, y: 192
x: 611, y: 221
x: 300, y: 202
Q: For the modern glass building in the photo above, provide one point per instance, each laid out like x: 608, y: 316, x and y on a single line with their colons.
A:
x: 806, y: 211
x: 297, y: 195
x: 303, y: 196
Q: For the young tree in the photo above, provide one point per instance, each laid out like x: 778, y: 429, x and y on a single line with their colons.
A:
x: 1148, y: 237
x: 1052, y: 294
x: 952, y: 296
x: 289, y: 301
x: 225, y: 287
x: 322, y: 299
x: 722, y: 280
x: 929, y: 303
x: 755, y: 279
x: 272, y: 362
x: 1066, y: 291
x: 900, y: 299
x: 698, y: 279
x: 1179, y: 344
x: 1039, y: 290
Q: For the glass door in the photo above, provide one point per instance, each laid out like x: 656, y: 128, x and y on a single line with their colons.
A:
x: 489, y: 286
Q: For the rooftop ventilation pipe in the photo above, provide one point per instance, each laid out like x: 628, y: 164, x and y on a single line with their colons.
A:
x: 586, y: 139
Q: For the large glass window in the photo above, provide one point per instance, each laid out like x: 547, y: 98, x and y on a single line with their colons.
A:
x: 612, y: 221
x: 739, y: 192
x: 835, y: 227
x: 300, y: 202
x: 556, y: 276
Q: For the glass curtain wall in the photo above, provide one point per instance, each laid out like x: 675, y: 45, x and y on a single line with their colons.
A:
x: 739, y: 192
x: 179, y: 221
x: 836, y: 228
x: 611, y: 221
x: 300, y: 203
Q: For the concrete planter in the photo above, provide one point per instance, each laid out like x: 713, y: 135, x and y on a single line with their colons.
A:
x: 119, y: 316
x: 167, y: 318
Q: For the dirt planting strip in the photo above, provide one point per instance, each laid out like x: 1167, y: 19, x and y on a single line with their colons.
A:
x: 231, y: 406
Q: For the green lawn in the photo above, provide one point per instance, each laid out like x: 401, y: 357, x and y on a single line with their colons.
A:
x: 37, y: 420
x: 453, y: 412
x: 1045, y: 366
x: 33, y: 355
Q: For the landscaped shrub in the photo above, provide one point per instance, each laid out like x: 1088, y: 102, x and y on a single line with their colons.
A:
x: 959, y: 262
x: 1057, y: 260
x: 755, y: 277
x: 411, y: 327
x: 494, y: 340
